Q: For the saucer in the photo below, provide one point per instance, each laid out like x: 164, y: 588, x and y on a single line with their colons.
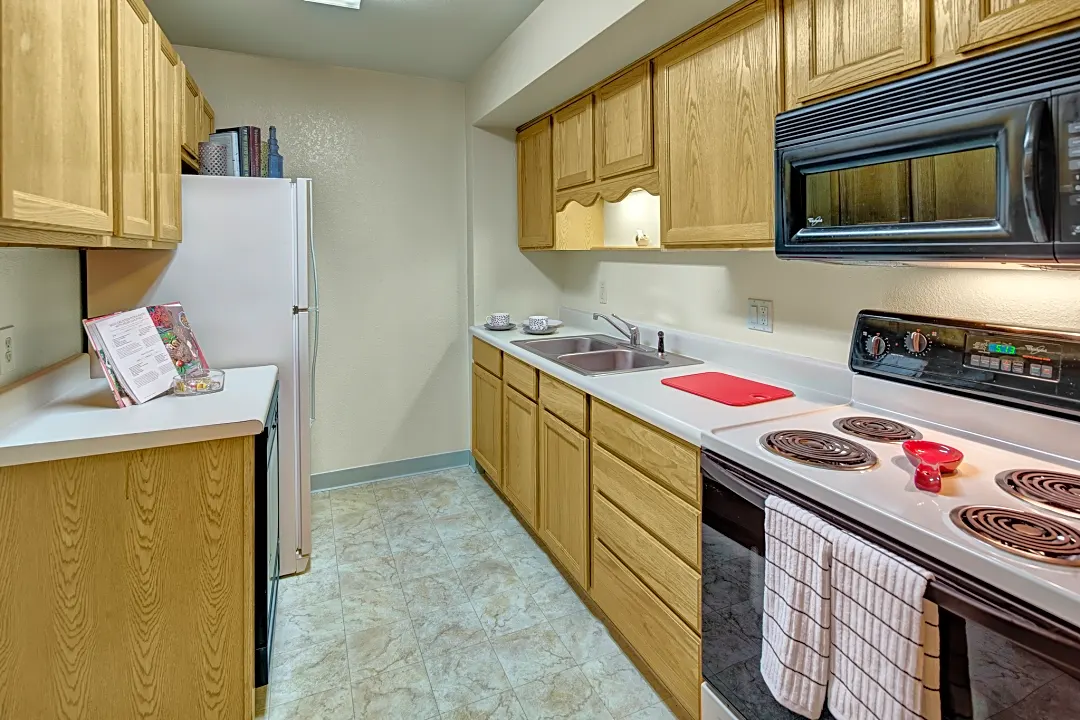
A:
x: 498, y: 328
x: 551, y: 329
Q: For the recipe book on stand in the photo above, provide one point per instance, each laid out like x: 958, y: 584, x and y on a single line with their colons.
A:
x: 143, y: 351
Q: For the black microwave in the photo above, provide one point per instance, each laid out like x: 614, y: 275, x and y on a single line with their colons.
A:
x: 974, y: 162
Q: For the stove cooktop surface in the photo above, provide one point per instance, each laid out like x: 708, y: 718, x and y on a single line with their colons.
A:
x: 1007, y: 516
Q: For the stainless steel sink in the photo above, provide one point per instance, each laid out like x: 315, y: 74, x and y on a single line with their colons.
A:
x: 609, y: 361
x: 602, y: 355
x: 569, y: 345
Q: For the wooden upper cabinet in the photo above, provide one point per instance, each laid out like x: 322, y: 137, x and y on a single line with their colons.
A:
x: 573, y: 144
x: 168, y: 81
x: 624, y: 127
x: 133, y: 122
x: 536, y: 191
x: 192, y: 115
x: 206, y: 122
x: 717, y: 95
x: 834, y: 45
x: 984, y: 22
x: 56, y: 114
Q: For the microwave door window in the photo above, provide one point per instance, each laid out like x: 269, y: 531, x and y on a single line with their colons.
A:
x: 949, y: 186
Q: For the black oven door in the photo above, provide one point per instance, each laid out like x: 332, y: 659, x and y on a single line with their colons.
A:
x: 971, y: 186
x: 1000, y: 660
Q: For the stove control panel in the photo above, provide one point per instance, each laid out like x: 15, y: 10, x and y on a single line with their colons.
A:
x: 1036, y: 368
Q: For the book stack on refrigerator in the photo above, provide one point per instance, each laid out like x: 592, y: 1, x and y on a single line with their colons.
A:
x: 248, y: 153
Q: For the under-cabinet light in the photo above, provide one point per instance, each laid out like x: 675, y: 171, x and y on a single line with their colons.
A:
x: 351, y: 4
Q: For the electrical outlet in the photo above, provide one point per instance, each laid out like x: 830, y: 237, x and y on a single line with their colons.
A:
x: 760, y: 315
x: 7, y: 350
x: 603, y: 293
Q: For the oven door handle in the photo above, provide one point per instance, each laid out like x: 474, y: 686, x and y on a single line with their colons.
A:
x: 734, y: 481
x: 1030, y: 170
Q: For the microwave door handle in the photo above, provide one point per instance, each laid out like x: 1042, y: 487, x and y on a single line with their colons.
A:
x: 1032, y: 130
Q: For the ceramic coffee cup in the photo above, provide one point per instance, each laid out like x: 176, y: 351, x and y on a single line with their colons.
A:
x: 538, y: 323
x: 498, y: 319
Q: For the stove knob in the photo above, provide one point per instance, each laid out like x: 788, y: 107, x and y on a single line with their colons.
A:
x: 877, y: 347
x: 916, y: 343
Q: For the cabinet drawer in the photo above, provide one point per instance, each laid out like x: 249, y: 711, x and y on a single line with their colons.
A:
x: 564, y: 402
x: 520, y: 376
x: 671, y: 649
x: 675, y: 582
x: 487, y: 357
x: 673, y: 521
x: 670, y: 462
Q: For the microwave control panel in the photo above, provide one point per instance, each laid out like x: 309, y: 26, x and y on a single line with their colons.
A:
x: 1016, y: 366
x: 1067, y: 129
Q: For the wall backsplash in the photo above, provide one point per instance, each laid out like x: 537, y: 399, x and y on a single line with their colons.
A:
x: 40, y: 294
x: 387, y: 156
x: 814, y: 304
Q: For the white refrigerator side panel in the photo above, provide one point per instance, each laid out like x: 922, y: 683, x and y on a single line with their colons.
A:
x: 306, y: 333
x: 234, y: 273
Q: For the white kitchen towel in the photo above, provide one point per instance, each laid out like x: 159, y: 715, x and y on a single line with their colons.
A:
x: 884, y: 635
x: 796, y: 616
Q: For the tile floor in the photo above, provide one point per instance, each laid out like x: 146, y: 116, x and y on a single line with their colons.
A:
x: 427, y: 599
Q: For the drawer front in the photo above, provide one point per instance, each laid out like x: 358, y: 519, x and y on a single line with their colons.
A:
x: 521, y: 377
x: 675, y: 522
x: 564, y: 402
x: 671, y: 649
x: 672, y: 463
x: 673, y: 581
x: 487, y: 357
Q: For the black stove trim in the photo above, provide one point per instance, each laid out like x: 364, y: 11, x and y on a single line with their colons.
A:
x: 1045, y: 635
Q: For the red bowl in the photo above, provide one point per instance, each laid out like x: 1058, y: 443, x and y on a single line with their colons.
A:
x: 945, y: 458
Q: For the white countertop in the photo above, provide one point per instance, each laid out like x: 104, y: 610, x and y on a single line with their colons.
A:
x: 641, y: 393
x: 84, y: 419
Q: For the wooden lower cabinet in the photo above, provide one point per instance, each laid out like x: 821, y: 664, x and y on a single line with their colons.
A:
x: 128, y: 583
x: 671, y: 649
x: 564, y: 495
x: 519, y: 471
x: 487, y: 422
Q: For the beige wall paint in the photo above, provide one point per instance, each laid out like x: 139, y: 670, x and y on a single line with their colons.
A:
x: 387, y: 155
x: 814, y: 304
x: 504, y: 279
x: 40, y: 294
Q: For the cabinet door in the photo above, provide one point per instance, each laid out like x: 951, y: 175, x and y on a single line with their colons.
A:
x: 717, y: 98
x: 833, y: 45
x: 564, y: 495
x: 170, y: 76
x: 192, y: 115
x: 133, y: 122
x: 487, y: 422
x: 624, y: 128
x: 573, y: 145
x: 519, y: 452
x: 206, y: 124
x: 56, y: 114
x: 536, y: 192
x: 989, y: 21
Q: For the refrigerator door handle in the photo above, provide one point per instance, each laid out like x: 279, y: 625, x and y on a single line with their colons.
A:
x: 314, y: 310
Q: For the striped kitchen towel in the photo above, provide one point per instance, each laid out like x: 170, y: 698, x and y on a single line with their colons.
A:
x: 884, y: 636
x: 796, y: 615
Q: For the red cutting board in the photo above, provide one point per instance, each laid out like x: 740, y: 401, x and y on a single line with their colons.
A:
x: 727, y: 389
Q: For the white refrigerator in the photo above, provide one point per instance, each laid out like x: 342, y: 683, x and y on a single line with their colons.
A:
x: 246, y: 275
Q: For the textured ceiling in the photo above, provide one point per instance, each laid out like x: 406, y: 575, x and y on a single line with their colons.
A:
x: 433, y: 38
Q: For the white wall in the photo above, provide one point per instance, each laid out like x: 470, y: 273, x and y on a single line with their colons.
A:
x: 387, y: 155
x: 40, y: 294
x: 637, y: 211
x: 814, y: 304
x: 504, y: 279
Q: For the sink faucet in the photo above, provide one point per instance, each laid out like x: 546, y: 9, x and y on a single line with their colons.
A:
x: 631, y: 332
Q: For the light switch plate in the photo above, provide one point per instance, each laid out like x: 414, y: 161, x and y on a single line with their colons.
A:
x: 7, y: 352
x: 603, y: 293
x: 760, y: 315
